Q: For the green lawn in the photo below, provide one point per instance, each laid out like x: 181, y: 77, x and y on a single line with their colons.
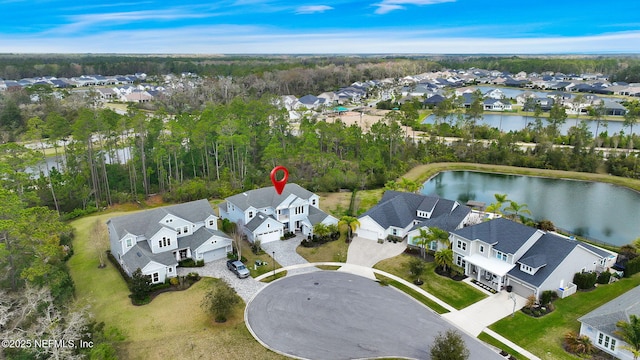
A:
x: 455, y: 293
x: 414, y: 294
x: 543, y: 336
x: 497, y: 343
x: 334, y: 251
x: 172, y: 326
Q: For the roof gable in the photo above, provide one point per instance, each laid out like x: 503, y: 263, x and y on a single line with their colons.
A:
x: 606, y: 316
x: 267, y: 197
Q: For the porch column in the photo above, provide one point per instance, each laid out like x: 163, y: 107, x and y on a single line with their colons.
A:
x: 499, y: 284
x: 177, y: 255
x: 188, y: 252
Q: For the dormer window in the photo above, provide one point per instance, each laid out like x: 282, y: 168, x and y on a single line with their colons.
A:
x: 313, y: 202
x: 250, y: 214
x: 210, y: 222
x: 186, y: 229
x: 129, y: 242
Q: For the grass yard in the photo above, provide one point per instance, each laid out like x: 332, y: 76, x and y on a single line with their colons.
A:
x: 414, y: 294
x: 172, y: 326
x: 455, y: 293
x: 334, y: 251
x: 497, y: 343
x: 543, y: 336
x: 337, y: 204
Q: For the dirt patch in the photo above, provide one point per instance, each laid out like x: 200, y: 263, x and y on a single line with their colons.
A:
x: 336, y: 203
x: 154, y: 201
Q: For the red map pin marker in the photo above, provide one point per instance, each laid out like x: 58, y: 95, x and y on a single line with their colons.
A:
x: 279, y: 184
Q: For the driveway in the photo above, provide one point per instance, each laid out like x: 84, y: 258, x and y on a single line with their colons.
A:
x: 246, y: 288
x: 366, y: 252
x: 286, y: 255
x: 335, y: 315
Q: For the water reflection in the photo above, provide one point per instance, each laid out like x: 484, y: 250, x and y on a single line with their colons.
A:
x: 600, y: 211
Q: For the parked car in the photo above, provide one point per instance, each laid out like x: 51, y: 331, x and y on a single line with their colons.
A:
x: 238, y: 268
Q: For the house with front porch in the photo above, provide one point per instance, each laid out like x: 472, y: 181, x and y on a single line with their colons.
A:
x: 402, y: 214
x: 600, y: 324
x: 156, y: 240
x: 502, y: 253
x: 266, y: 215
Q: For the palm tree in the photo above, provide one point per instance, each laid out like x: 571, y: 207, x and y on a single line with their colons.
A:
x: 516, y: 208
x: 500, y: 198
x: 321, y: 230
x: 630, y: 333
x: 578, y: 344
x: 444, y: 258
x: 351, y: 223
x: 422, y: 240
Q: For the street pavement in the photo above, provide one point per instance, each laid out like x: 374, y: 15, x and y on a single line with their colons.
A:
x: 334, y: 315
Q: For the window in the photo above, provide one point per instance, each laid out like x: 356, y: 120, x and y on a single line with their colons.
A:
x: 501, y: 256
x: 156, y: 277
x: 313, y: 202
x: 170, y: 269
x: 250, y: 214
x: 606, y: 341
x: 482, y: 249
x: 395, y: 232
x: 129, y: 244
x: 298, y: 210
x: 462, y: 245
x: 186, y: 229
x: 164, y: 242
x: 179, y: 231
x: 460, y: 262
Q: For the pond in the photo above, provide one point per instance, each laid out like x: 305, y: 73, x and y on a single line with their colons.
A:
x: 598, y: 211
x: 511, y: 122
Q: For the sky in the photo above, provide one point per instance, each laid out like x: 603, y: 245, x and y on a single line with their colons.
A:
x: 321, y: 26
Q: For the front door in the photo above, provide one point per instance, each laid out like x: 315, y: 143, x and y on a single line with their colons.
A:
x: 183, y: 254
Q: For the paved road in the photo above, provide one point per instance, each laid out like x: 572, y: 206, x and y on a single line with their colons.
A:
x: 335, y: 315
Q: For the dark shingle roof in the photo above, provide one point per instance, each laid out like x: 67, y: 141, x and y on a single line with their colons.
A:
x: 199, y: 237
x: 399, y: 209
x: 140, y: 255
x: 606, y: 316
x: 548, y: 252
x: 267, y: 196
x: 148, y: 222
x: 505, y: 235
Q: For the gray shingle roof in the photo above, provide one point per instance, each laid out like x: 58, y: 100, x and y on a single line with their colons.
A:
x: 316, y: 215
x: 267, y: 197
x: 505, y: 235
x: 399, y: 209
x: 258, y: 220
x: 148, y: 222
x: 550, y: 250
x: 606, y: 316
x: 199, y: 237
x: 140, y: 255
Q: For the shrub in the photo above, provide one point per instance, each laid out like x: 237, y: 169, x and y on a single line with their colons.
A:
x: 174, y: 281
x: 220, y: 301
x: 632, y: 267
x: 577, y: 344
x: 604, y: 277
x: 547, y: 297
x: 585, y: 280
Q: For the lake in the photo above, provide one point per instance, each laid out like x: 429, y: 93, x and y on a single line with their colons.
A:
x: 510, y: 122
x: 599, y: 211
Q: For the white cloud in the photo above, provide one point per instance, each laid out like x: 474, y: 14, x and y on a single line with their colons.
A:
x: 390, y: 5
x: 232, y: 39
x: 311, y: 9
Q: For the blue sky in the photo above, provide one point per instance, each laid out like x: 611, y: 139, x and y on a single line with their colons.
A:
x: 320, y: 27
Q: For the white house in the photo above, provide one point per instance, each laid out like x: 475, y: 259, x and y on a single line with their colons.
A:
x: 502, y: 253
x: 600, y: 324
x: 155, y: 240
x: 401, y: 213
x: 265, y: 215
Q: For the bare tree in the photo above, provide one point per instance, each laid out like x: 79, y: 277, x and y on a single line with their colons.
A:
x: 99, y: 236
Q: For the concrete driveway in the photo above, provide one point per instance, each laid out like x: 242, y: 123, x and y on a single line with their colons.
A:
x: 335, y: 315
x: 246, y: 288
x: 286, y: 255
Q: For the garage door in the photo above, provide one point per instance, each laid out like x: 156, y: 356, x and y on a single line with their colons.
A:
x: 520, y: 289
x: 367, y: 234
x: 214, y: 255
x: 268, y: 236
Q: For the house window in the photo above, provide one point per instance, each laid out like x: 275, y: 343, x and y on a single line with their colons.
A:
x: 170, y: 269
x: 129, y: 242
x: 460, y: 262
x: 186, y: 229
x: 179, y: 231
x: 501, y: 256
x: 433, y: 245
x: 482, y: 249
x: 395, y: 232
x: 313, y: 202
x: 462, y: 245
x: 250, y: 214
x: 210, y: 222
x: 606, y: 342
x: 156, y: 277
